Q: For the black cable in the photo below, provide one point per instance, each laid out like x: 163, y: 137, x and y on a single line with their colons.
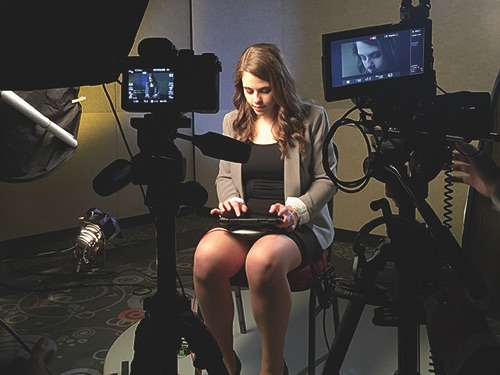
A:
x: 353, y: 186
x: 118, y: 122
x: 52, y: 253
x: 84, y: 284
x: 56, y: 274
x: 448, y: 188
x: 66, y: 286
x: 94, y: 274
x: 61, y: 274
x: 122, y: 132
x: 47, y: 253
x: 448, y: 197
x: 441, y: 89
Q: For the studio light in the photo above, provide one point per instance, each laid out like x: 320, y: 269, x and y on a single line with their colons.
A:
x: 96, y: 229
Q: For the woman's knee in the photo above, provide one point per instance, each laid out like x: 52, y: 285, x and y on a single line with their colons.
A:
x: 262, y: 267
x: 214, y: 257
x: 270, y: 261
x: 205, y: 261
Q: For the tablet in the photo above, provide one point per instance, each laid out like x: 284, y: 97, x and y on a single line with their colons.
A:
x: 250, y: 227
x: 249, y: 222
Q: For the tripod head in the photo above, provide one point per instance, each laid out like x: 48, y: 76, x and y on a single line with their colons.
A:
x: 168, y: 83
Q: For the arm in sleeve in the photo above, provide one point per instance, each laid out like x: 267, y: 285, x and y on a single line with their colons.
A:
x: 225, y: 186
x: 321, y: 188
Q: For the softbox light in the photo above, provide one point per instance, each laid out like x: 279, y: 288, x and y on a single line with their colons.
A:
x: 49, y: 49
x: 28, y: 151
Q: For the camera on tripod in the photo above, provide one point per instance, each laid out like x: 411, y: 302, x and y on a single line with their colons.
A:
x: 166, y: 83
x: 388, y: 69
x: 163, y: 78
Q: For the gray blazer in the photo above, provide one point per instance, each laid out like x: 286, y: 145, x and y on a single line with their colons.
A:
x: 307, y: 187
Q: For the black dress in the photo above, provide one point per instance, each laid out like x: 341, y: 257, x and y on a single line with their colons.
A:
x: 263, y: 179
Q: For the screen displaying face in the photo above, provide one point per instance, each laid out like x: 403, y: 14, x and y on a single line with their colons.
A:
x: 150, y: 86
x: 377, y: 57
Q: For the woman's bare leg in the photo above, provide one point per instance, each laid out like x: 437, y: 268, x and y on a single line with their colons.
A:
x: 268, y: 262
x: 218, y: 256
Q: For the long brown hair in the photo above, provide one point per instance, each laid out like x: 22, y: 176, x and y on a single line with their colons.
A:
x: 266, y: 62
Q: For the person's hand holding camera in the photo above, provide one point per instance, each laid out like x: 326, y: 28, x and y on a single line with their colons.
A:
x: 475, y: 169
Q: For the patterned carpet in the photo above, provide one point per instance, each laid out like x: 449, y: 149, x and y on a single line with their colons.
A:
x: 84, y: 313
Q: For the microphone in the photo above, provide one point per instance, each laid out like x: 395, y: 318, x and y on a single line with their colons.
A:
x: 119, y: 174
x: 33, y: 114
x: 113, y: 178
x: 219, y: 146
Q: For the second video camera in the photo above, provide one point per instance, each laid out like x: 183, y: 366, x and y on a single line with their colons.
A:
x: 389, y: 69
x: 164, y: 78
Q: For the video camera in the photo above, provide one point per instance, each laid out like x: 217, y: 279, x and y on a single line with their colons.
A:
x: 389, y: 70
x: 185, y: 81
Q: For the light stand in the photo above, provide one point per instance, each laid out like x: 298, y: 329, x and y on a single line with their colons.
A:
x: 168, y: 316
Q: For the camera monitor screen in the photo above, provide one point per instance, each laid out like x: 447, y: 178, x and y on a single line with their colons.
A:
x: 368, y: 61
x: 147, y: 88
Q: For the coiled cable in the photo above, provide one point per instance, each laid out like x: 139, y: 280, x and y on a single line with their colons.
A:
x: 448, y: 196
x: 436, y: 365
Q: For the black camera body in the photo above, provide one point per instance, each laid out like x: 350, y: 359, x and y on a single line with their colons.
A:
x: 389, y: 70
x: 409, y: 46
x: 163, y: 78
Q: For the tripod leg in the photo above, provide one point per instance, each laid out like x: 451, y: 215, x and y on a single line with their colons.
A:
x: 158, y: 339
x: 202, y: 343
x: 150, y: 348
x: 408, y: 348
x: 343, y: 337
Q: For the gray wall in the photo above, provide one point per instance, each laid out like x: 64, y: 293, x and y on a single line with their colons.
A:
x: 467, y: 56
x: 464, y: 36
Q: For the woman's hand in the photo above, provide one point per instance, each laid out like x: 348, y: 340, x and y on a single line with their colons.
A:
x: 230, y: 208
x: 288, y: 214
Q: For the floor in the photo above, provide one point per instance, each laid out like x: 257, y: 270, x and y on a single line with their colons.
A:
x: 365, y: 354
x: 92, y: 315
